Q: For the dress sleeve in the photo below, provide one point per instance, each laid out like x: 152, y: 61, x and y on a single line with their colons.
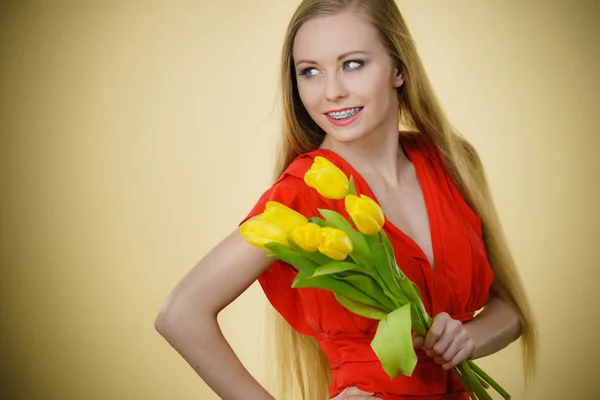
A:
x: 276, y: 281
x: 291, y: 192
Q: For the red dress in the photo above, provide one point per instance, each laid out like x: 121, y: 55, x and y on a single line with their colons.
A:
x: 458, y: 285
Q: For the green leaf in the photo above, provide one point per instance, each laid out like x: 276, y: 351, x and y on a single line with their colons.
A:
x: 328, y: 282
x: 421, y: 320
x: 369, y: 286
x: 277, y: 247
x: 352, y: 189
x: 360, y: 309
x: 316, y: 257
x: 299, y: 278
x: 297, y: 261
x: 388, y: 246
x: 321, y: 222
x: 385, y: 271
x: 335, y: 267
x: 417, y: 323
x: 393, y: 343
x: 408, y: 287
x: 291, y: 257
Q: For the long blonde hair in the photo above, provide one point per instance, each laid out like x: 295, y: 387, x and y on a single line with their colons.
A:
x: 301, y: 364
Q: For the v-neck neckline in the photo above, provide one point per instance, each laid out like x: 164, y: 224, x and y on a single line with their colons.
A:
x: 427, y: 198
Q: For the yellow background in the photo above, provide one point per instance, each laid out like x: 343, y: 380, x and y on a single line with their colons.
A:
x: 136, y: 134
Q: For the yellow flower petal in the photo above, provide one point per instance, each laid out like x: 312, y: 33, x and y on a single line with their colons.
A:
x: 365, y: 223
x: 258, y: 233
x: 308, y: 236
x: 366, y: 214
x: 283, y: 216
x: 327, y: 179
x: 332, y: 253
x: 336, y: 243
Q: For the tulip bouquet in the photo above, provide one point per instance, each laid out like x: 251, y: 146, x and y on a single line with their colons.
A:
x: 355, y: 260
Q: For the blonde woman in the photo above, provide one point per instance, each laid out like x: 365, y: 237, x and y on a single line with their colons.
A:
x: 351, y: 76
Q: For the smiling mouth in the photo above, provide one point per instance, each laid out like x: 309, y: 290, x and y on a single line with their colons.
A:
x: 343, y: 115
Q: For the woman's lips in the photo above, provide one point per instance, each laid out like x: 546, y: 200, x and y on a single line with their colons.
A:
x: 346, y: 121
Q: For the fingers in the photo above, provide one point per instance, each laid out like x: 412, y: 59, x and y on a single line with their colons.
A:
x: 436, y: 331
x: 461, y: 356
x: 448, y: 342
x: 417, y: 340
x: 448, y: 354
x: 354, y: 393
x: 446, y: 345
x: 361, y: 398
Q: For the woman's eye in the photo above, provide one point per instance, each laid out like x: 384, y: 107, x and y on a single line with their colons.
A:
x: 308, y: 72
x: 348, y: 65
x: 353, y: 64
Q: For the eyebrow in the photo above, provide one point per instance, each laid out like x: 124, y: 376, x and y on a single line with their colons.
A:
x: 341, y: 56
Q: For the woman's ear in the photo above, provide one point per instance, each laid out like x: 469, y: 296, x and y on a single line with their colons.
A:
x: 398, y: 79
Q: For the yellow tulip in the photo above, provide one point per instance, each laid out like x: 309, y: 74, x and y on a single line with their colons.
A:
x: 336, y: 243
x: 307, y: 236
x: 258, y: 233
x: 366, y: 213
x: 327, y: 179
x: 283, y: 216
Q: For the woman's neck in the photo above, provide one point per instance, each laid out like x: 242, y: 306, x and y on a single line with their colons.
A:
x: 377, y: 154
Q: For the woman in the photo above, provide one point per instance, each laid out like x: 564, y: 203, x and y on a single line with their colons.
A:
x: 351, y: 76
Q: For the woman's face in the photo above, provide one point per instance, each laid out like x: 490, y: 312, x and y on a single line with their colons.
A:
x: 346, y: 79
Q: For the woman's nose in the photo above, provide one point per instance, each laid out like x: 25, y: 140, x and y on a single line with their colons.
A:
x: 334, y: 88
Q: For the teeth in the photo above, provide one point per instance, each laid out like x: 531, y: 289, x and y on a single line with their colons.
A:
x: 344, y: 114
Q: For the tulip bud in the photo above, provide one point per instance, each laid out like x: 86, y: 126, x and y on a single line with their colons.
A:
x: 258, y: 233
x: 327, y: 179
x: 336, y: 243
x: 283, y: 216
x: 307, y: 236
x: 366, y: 214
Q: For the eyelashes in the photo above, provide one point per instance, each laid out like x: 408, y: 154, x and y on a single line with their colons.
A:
x: 350, y: 65
x: 357, y: 64
x: 306, y: 72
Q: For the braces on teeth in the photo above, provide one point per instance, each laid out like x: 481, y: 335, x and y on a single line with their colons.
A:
x: 344, y: 114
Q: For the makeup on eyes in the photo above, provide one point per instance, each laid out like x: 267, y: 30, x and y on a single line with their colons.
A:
x: 305, y: 71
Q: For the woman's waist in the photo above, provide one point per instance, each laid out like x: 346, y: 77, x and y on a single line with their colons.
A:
x: 353, y: 361
x: 428, y: 378
x: 355, y: 347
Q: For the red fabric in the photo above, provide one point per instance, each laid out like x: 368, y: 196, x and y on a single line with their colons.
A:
x: 458, y: 285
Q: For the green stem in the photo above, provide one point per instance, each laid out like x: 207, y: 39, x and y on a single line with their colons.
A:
x: 488, y: 379
x: 466, y: 382
x: 422, y: 314
x: 483, y: 382
x: 474, y: 381
x: 473, y: 377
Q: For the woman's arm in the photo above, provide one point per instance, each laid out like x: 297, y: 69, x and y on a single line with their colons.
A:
x: 449, y: 342
x: 188, y: 318
x: 494, y: 328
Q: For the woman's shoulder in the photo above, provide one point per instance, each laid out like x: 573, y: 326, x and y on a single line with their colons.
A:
x: 303, y: 162
x: 292, y: 177
x: 427, y: 147
x: 297, y: 168
x: 290, y: 189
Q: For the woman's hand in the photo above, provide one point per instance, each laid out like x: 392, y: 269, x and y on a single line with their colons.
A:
x: 353, y: 393
x: 448, y: 342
